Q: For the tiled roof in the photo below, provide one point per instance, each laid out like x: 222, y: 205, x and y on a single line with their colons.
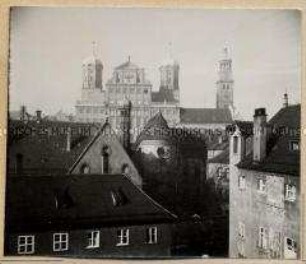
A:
x: 44, y: 145
x: 280, y: 158
x: 76, y: 201
x: 205, y: 116
x: 163, y: 95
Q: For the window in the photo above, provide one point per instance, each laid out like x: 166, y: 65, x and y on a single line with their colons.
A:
x: 118, y: 197
x: 290, y: 245
x: 93, y: 239
x: 261, y: 185
x: 290, y: 194
x: 262, y: 242
x: 241, y: 230
x: 242, y: 182
x: 235, y: 143
x: 85, y: 169
x: 60, y: 241
x: 26, y: 244
x: 105, y: 159
x: 123, y: 237
x: 294, y: 145
x: 151, y: 235
x: 125, y: 169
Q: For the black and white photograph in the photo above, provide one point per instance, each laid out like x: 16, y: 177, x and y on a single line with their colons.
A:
x: 153, y: 133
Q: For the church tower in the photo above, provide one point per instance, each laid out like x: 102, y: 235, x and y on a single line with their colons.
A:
x: 92, y: 71
x: 169, y: 74
x: 225, y: 82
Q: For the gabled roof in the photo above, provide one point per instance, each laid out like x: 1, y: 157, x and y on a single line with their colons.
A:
x: 205, y: 116
x: 44, y: 145
x: 157, y: 128
x: 78, y: 201
x: 280, y: 158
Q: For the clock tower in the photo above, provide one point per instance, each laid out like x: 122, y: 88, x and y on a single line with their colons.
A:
x: 225, y: 82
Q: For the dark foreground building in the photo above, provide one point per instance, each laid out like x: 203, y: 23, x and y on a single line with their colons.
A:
x: 85, y: 215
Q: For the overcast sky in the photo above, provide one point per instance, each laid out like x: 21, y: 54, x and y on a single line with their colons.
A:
x: 49, y: 44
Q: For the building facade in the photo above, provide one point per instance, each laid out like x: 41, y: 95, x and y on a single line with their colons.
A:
x: 129, y: 82
x: 264, y: 186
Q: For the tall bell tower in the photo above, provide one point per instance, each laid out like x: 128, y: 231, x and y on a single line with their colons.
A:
x: 92, y: 71
x: 225, y: 82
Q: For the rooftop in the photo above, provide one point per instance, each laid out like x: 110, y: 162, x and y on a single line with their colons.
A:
x: 205, y: 116
x: 77, y: 201
x: 280, y: 157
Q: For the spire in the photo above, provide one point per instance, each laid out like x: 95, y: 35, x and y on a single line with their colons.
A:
x: 94, y: 49
x: 225, y: 52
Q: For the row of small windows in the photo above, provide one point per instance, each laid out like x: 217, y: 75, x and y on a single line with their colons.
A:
x: 267, y: 239
x: 290, y: 189
x: 26, y: 244
x: 126, y: 90
x: 226, y: 86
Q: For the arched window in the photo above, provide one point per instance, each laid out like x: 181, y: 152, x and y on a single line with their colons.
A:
x: 85, y: 169
x: 105, y: 159
x: 125, y: 169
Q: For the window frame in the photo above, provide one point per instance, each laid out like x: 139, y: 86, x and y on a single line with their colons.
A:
x: 240, y: 186
x: 61, y: 242
x: 293, y: 246
x: 261, y: 183
x: 292, y: 196
x: 93, y: 242
x: 26, y: 244
x: 152, y: 235
x: 262, y: 235
x: 123, y: 237
x: 296, y: 143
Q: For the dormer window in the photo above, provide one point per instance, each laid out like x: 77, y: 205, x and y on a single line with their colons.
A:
x: 294, y: 145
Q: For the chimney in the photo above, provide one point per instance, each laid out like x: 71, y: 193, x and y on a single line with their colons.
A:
x: 38, y: 115
x: 285, y: 103
x: 260, y: 135
x: 68, y: 139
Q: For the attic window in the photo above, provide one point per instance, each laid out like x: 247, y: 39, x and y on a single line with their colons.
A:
x: 63, y: 199
x: 85, y: 169
x: 118, y: 197
x: 294, y: 145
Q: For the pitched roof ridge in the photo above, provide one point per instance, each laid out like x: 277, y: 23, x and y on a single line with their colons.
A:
x: 88, y: 146
x: 150, y: 198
